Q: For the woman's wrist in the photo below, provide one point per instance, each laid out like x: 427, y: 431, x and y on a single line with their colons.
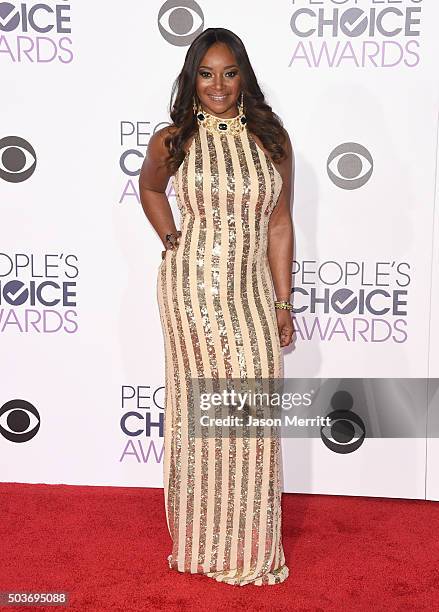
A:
x: 283, y: 303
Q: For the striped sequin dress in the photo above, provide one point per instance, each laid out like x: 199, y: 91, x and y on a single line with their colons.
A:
x: 216, y: 303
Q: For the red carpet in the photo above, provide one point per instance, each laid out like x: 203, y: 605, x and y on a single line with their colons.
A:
x: 107, y: 547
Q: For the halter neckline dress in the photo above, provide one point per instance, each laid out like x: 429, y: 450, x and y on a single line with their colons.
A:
x: 216, y: 304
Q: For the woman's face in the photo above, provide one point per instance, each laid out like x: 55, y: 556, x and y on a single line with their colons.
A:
x: 218, y: 83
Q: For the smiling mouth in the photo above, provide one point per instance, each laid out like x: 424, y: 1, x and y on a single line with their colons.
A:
x: 218, y: 98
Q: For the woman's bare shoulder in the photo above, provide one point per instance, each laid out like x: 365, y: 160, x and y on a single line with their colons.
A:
x: 156, y: 143
x: 157, y: 146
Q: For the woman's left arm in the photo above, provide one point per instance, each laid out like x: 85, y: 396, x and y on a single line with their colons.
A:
x: 281, y: 243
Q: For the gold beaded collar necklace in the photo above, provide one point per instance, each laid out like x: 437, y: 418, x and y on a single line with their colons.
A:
x: 231, y: 125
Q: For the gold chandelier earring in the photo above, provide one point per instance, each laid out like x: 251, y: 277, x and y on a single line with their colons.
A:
x: 196, y: 105
x: 241, y: 113
x: 241, y: 104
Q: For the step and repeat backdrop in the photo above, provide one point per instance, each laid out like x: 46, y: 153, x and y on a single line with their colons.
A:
x: 84, y: 86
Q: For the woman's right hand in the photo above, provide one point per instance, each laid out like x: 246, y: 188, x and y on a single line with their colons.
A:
x: 174, y: 246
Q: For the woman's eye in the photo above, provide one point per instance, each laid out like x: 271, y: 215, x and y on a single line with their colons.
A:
x: 205, y: 74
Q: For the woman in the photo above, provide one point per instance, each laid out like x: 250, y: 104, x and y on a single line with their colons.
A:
x: 231, y: 161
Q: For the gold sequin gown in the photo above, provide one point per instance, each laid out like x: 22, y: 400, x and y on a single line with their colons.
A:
x: 216, y: 303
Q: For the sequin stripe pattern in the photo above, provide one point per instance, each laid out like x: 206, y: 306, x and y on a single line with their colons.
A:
x: 207, y: 285
x: 274, y: 556
x: 265, y: 196
x: 196, y: 367
x: 250, y: 238
x: 176, y: 477
x: 229, y: 480
x: 273, y: 569
x: 168, y: 457
x: 180, y: 176
x: 267, y: 186
x: 239, y: 186
x: 170, y: 475
x: 223, y: 495
x: 224, y: 357
x: 187, y: 365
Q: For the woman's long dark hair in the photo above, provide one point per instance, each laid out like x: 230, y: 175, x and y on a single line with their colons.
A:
x: 261, y: 120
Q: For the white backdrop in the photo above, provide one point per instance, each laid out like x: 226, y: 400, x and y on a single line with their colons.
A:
x: 84, y: 86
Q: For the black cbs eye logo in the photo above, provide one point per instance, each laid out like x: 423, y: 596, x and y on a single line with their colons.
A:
x: 18, y: 159
x: 19, y: 421
x: 346, y: 432
x: 180, y: 21
x: 350, y: 165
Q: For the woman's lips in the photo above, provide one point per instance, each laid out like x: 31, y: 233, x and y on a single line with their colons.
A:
x: 218, y: 98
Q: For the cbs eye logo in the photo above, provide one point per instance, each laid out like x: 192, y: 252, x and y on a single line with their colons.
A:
x: 19, y: 421
x: 350, y: 165
x: 18, y: 159
x: 9, y: 20
x: 347, y: 431
x: 180, y: 21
